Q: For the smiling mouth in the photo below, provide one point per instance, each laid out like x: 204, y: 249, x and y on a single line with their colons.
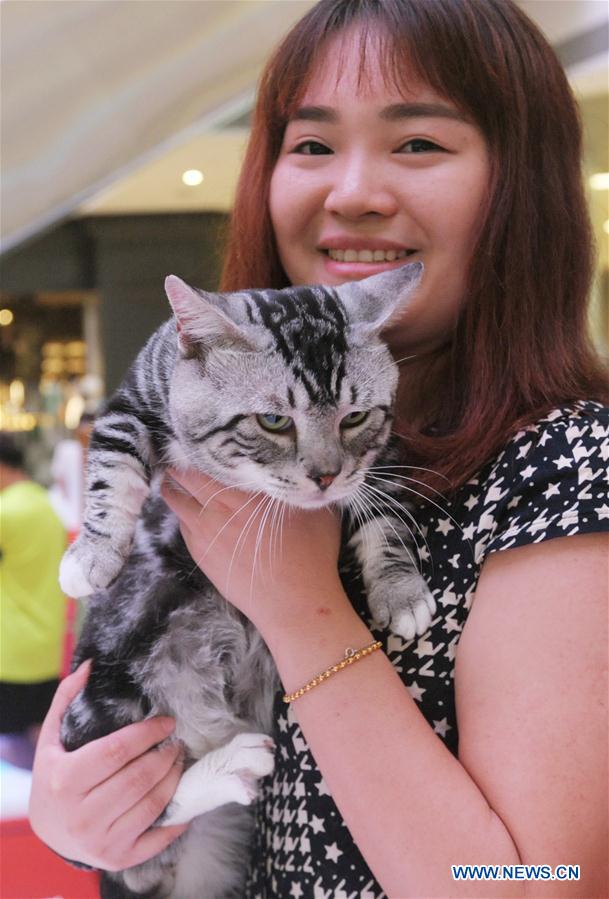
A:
x: 368, y: 255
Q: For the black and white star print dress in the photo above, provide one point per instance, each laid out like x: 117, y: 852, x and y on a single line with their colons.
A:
x: 551, y: 480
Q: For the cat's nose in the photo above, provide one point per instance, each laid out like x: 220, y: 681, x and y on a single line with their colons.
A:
x: 323, y: 481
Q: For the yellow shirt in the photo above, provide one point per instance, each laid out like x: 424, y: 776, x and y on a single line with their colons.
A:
x: 32, y: 606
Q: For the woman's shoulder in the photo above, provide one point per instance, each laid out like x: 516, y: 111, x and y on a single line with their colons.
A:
x: 573, y: 438
x: 549, y: 480
x: 578, y: 421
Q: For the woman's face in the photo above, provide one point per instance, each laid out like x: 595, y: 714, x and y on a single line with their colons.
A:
x: 368, y: 179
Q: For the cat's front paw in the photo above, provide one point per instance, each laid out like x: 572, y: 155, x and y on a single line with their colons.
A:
x: 227, y: 774
x: 406, y: 605
x: 249, y: 757
x: 88, y: 566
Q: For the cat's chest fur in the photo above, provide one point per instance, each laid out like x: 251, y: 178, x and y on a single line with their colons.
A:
x: 206, y: 658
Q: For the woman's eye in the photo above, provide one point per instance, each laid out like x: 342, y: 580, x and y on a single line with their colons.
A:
x: 275, y: 423
x: 353, y: 419
x: 420, y: 145
x: 311, y: 148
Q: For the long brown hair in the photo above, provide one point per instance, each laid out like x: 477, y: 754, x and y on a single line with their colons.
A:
x: 521, y: 345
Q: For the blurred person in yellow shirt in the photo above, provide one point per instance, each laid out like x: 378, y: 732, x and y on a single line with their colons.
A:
x: 32, y: 606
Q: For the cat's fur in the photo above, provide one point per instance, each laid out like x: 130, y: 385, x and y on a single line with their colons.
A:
x: 162, y: 640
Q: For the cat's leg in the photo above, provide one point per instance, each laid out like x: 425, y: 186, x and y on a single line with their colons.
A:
x: 227, y: 774
x: 117, y: 485
x: 398, y: 596
x: 137, y: 883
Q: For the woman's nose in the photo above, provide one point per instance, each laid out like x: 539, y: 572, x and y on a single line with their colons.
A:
x: 359, y: 188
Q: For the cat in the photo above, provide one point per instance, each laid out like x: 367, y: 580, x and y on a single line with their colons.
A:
x: 287, y: 392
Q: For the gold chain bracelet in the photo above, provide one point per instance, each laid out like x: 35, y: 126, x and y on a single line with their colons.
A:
x: 351, y: 656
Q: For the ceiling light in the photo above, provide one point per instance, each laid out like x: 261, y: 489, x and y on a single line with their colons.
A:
x: 192, y: 177
x: 600, y: 181
x: 6, y: 316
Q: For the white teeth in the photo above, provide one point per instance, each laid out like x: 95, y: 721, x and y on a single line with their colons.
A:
x: 367, y: 255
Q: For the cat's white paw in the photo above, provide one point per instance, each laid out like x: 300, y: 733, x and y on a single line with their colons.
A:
x: 251, y: 754
x: 87, y: 567
x: 406, y: 606
x: 249, y: 757
x: 228, y: 774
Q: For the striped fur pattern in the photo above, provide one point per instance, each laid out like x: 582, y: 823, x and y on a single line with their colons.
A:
x: 288, y: 395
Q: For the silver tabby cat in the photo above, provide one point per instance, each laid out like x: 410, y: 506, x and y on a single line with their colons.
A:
x: 289, y: 393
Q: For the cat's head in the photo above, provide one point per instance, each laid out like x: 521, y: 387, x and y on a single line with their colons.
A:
x: 287, y: 391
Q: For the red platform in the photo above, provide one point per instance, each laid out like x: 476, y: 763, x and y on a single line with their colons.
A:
x: 29, y: 870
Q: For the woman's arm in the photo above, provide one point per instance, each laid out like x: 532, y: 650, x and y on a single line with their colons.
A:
x: 528, y: 787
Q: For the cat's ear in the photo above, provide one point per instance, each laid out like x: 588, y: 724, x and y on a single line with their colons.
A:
x: 372, y: 303
x: 199, y: 319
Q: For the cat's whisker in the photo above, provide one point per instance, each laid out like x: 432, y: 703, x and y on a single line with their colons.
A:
x: 228, y: 487
x: 353, y: 504
x: 244, y: 532
x: 226, y: 523
x: 389, y: 469
x: 369, y: 503
x: 282, y: 514
x: 373, y: 510
x: 278, y: 527
x: 217, y: 535
x: 410, y: 468
x: 259, y: 537
x: 266, y: 519
x: 404, y: 359
x: 439, y: 507
x: 272, y: 535
x: 367, y: 487
x: 395, y: 501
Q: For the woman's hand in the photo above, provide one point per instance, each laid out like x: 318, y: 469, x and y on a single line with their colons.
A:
x: 96, y: 804
x: 267, y: 559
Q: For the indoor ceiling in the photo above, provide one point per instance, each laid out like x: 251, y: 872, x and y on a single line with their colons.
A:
x: 107, y: 102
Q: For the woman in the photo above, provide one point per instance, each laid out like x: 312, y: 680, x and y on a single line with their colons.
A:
x: 442, y: 131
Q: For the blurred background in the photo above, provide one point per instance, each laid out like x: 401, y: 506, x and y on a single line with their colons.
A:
x: 123, y: 126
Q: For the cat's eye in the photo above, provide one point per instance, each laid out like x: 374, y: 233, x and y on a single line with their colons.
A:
x: 353, y: 419
x: 275, y: 423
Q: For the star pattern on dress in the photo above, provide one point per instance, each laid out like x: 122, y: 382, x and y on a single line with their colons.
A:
x: 548, y: 481
x: 529, y: 471
x: 441, y: 727
x: 415, y: 691
x: 563, y: 462
x: 444, y: 526
x: 333, y: 853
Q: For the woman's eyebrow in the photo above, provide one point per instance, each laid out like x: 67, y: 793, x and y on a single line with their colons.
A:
x: 315, y: 114
x: 398, y: 111
x: 393, y: 113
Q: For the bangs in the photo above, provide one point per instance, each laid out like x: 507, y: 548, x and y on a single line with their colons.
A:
x: 394, y: 41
